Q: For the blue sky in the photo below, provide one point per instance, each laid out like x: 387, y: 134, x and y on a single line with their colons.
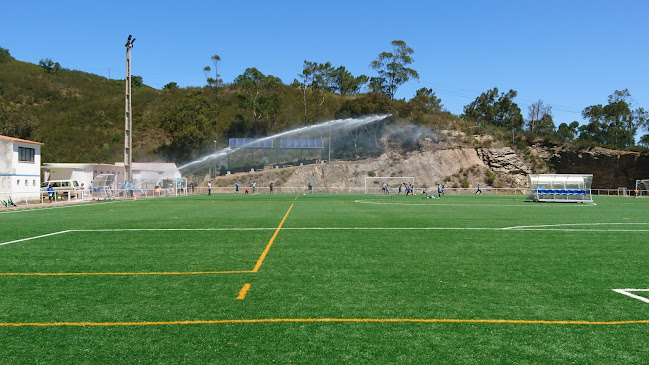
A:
x: 570, y: 54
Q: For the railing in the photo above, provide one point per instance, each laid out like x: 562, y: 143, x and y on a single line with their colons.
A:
x: 77, y: 195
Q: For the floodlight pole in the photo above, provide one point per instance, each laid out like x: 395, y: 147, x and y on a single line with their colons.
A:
x: 128, y: 118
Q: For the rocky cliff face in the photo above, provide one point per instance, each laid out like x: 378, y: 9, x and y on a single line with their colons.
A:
x: 456, y: 163
x: 610, y: 169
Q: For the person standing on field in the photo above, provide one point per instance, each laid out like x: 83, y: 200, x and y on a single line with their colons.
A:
x: 209, y: 188
x: 50, y: 192
x: 479, y: 191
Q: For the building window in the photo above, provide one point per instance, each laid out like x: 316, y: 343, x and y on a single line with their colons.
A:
x: 26, y: 183
x: 17, y: 182
x: 26, y: 154
x: 34, y: 182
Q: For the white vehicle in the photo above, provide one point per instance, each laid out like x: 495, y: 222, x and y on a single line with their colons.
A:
x: 66, y: 188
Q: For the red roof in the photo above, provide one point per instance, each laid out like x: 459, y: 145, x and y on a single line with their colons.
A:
x: 20, y: 140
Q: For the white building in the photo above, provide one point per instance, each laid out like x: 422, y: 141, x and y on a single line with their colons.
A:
x: 147, y: 175
x: 20, y: 174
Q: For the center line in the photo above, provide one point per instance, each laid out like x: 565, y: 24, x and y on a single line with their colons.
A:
x: 270, y: 243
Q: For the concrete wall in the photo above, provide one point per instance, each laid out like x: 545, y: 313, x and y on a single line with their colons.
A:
x: 19, y: 179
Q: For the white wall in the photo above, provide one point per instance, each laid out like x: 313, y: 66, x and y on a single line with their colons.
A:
x: 19, y: 179
x: 82, y: 175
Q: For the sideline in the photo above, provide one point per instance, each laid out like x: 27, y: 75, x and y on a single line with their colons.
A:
x: 323, y: 320
x: 48, y: 207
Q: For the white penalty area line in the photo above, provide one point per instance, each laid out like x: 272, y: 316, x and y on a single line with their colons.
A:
x: 544, y: 227
x: 33, y: 238
x: 541, y: 226
x: 440, y: 204
x: 628, y: 294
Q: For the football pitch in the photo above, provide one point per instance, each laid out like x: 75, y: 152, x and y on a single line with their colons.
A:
x: 326, y: 279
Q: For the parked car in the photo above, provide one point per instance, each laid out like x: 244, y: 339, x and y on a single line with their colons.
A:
x: 65, y: 188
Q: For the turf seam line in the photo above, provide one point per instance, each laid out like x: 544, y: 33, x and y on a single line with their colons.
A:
x: 326, y: 320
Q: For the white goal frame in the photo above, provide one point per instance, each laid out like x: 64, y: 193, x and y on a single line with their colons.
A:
x: 642, y: 186
x: 393, y: 184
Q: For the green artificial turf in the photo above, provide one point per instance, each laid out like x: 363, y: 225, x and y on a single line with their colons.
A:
x: 340, y: 257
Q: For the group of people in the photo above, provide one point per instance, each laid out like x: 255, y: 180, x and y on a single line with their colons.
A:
x: 236, y: 188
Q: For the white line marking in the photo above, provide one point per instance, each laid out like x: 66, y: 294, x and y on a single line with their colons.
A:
x: 514, y: 228
x: 435, y: 203
x: 626, y: 292
x: 21, y: 210
x: 33, y: 238
x: 575, y: 224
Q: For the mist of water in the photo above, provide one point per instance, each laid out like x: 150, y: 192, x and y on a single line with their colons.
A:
x: 331, y: 126
x: 335, y: 125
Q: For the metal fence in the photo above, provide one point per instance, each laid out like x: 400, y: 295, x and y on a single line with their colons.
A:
x: 78, y: 196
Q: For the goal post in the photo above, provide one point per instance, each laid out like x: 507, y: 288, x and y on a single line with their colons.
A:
x: 642, y: 186
x: 374, y: 184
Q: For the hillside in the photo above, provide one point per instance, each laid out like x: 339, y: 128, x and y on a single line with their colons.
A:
x: 79, y: 118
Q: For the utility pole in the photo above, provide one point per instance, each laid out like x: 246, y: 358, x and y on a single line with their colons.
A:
x: 128, y: 117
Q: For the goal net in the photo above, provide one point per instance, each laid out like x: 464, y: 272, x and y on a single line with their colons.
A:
x: 642, y: 186
x: 375, y: 184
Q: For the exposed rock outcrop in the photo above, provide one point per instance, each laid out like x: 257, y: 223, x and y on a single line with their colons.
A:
x: 610, y: 168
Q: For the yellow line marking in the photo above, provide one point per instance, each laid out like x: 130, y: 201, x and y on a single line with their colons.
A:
x: 298, y: 194
x: 270, y: 243
x: 324, y: 320
x: 120, y: 273
x: 243, y: 291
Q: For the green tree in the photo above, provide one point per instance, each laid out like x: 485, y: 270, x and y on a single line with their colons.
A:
x: 366, y: 104
x: 49, y: 66
x: 614, y: 124
x: 5, y: 56
x: 345, y: 83
x: 545, y: 126
x: 392, y: 68
x: 535, y: 113
x: 137, y: 81
x: 567, y: 133
x: 424, y: 102
x: 16, y: 123
x: 307, y: 78
x: 644, y: 140
x: 189, y: 127
x: 256, y: 89
x: 170, y: 86
x: 215, y: 81
x: 320, y: 79
x: 495, y: 109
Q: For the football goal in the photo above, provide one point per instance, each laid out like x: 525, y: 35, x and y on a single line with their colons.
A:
x: 642, y: 186
x: 374, y: 184
x: 560, y: 188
